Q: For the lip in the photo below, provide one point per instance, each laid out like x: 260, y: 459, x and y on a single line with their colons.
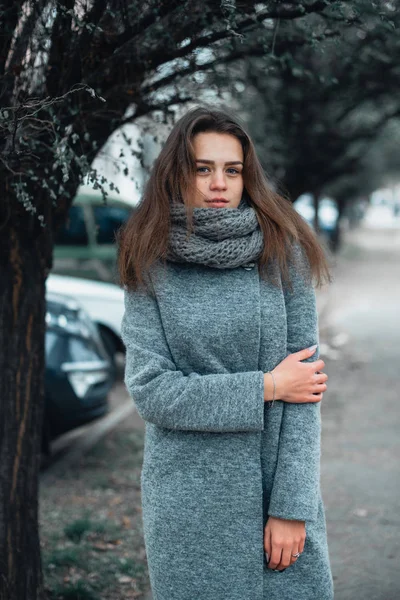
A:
x: 217, y: 201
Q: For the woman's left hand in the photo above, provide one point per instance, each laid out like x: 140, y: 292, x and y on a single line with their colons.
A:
x: 283, y: 539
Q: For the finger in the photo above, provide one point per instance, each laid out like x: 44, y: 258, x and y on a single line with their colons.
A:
x: 306, y: 353
x: 301, y: 546
x: 267, y: 543
x: 319, y: 388
x: 320, y: 377
x: 275, y: 559
x: 318, y: 365
x: 285, y: 559
x: 293, y: 558
x: 313, y: 398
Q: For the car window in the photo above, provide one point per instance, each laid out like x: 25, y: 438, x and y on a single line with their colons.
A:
x: 73, y: 232
x: 108, y: 220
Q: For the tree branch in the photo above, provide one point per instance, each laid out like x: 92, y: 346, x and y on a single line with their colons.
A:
x: 10, y: 15
x: 144, y: 108
x: 153, y: 58
x: 58, y: 54
x: 256, y: 50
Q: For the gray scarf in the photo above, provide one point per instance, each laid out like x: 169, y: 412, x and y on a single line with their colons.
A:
x: 223, y: 238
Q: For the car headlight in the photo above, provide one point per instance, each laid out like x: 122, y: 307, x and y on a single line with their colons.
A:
x: 84, y: 375
x: 81, y: 382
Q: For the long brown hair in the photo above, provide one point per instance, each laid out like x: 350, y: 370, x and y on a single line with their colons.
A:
x: 144, y: 238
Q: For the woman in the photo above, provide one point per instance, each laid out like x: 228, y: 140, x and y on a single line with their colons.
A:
x: 222, y: 364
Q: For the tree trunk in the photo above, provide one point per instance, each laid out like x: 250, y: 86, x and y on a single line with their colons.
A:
x: 316, y: 197
x: 337, y: 234
x: 24, y: 251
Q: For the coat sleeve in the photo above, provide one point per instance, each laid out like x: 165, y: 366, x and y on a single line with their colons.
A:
x: 166, y: 397
x: 295, y: 491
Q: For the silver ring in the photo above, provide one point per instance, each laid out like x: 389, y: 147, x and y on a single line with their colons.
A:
x: 296, y: 555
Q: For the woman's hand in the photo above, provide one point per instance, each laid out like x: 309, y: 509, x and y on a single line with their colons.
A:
x: 283, y: 539
x: 297, y: 382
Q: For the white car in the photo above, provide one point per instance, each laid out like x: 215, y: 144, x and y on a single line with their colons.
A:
x: 104, y: 302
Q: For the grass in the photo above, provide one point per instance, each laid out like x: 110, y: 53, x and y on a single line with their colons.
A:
x: 91, y: 527
x: 78, y: 591
x: 61, y: 557
x: 75, y: 530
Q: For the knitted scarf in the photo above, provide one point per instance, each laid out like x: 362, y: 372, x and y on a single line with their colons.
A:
x: 223, y: 238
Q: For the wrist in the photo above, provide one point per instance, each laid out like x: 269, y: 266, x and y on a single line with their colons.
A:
x: 285, y: 520
x: 279, y: 387
x: 269, y: 387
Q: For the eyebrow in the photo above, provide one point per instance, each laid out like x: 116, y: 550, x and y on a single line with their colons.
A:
x: 212, y: 162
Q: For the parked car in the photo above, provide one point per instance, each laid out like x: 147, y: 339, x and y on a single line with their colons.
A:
x: 85, y: 245
x: 78, y: 375
x: 104, y: 302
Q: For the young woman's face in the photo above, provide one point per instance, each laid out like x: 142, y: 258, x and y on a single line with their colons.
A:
x: 219, y: 170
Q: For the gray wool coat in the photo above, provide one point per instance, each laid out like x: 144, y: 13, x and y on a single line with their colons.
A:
x: 218, y: 459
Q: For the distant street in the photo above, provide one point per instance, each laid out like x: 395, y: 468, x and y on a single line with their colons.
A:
x: 361, y: 418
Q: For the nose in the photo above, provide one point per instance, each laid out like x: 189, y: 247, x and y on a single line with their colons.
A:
x: 218, y: 181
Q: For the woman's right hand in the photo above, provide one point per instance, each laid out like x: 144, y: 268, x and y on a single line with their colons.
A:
x: 297, y: 382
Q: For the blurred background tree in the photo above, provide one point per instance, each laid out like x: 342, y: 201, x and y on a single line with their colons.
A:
x: 308, y: 74
x: 319, y: 103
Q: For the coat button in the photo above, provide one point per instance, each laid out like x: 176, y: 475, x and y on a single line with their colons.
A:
x: 249, y: 266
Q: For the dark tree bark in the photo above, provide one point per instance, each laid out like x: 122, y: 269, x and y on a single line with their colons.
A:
x: 25, y: 258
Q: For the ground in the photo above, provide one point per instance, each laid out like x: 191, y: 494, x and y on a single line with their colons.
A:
x: 91, y: 527
x: 361, y: 418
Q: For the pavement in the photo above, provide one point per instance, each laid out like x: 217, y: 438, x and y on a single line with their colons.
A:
x: 361, y: 417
